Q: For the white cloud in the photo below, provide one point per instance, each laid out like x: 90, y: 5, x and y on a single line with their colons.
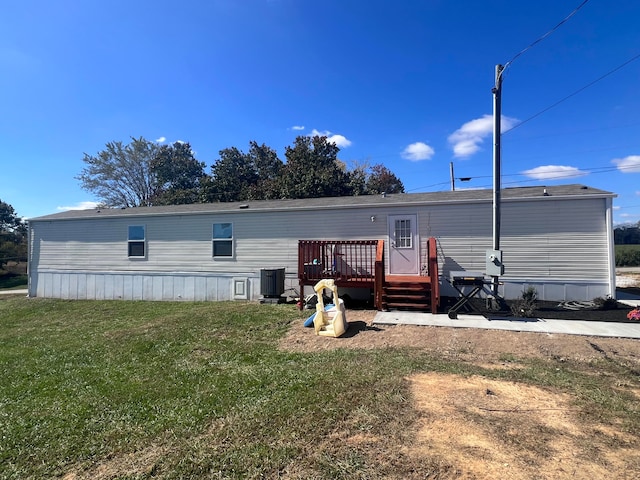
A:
x: 617, y: 207
x: 297, y: 127
x: 630, y: 164
x: 161, y: 140
x: 79, y: 206
x: 554, y: 172
x: 418, y: 151
x: 340, y: 140
x: 467, y: 139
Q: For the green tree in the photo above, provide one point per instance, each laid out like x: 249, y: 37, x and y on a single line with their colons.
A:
x: 381, y: 179
x: 254, y: 175
x: 268, y: 168
x: 13, y: 235
x: 358, y: 179
x: 312, y: 170
x: 232, y: 176
x: 120, y: 175
x: 178, y: 175
x: 627, y: 234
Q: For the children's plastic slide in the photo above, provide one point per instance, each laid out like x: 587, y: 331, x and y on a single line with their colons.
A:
x: 331, y: 322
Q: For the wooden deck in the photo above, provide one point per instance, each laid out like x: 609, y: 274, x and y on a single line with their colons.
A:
x: 360, y: 264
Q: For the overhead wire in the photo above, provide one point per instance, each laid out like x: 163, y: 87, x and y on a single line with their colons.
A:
x: 539, y: 39
x: 562, y: 173
x: 632, y: 59
x: 549, y: 176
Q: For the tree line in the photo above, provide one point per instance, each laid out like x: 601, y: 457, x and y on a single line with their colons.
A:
x: 143, y: 173
x: 627, y: 240
x: 13, y: 236
x: 627, y: 234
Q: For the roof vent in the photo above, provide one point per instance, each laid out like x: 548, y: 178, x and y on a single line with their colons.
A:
x: 545, y: 193
x: 384, y: 194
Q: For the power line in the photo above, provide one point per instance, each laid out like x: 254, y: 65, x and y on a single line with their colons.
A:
x: 564, y: 20
x: 560, y: 175
x: 573, y: 94
x: 557, y: 133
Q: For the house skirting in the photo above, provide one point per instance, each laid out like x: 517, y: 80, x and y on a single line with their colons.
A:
x: 174, y: 286
x: 189, y: 286
x: 554, y: 290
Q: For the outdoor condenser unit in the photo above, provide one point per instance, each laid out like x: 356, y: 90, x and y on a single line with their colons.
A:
x: 271, y: 282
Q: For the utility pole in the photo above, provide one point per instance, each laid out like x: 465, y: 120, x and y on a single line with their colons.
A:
x: 497, y: 114
x: 453, y: 180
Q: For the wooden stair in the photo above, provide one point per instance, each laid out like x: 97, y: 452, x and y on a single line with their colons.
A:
x: 407, y: 293
x: 412, y: 292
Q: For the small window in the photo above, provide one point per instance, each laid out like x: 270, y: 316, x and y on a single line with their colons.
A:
x: 137, y: 241
x: 223, y: 240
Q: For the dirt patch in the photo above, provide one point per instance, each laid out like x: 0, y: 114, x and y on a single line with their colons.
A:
x: 493, y: 429
x: 488, y: 347
x: 481, y: 428
x: 136, y: 464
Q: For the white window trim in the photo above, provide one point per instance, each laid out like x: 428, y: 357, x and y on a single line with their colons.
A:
x: 232, y: 240
x: 144, y: 241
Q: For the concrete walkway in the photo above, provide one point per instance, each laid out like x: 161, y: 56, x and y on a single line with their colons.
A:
x: 539, y: 325
x: 14, y: 292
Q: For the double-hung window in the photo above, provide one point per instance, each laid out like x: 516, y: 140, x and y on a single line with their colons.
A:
x: 137, y: 241
x: 222, y: 240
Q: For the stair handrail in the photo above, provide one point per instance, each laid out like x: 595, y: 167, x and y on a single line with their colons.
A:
x: 434, y: 277
x: 378, y: 281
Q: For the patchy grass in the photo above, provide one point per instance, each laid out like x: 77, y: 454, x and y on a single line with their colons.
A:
x: 120, y: 389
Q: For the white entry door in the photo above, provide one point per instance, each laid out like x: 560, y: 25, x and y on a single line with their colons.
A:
x: 404, y: 247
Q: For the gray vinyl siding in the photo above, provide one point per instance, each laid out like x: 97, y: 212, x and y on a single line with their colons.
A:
x: 561, y: 246
x: 548, y: 244
x: 559, y: 239
x: 185, y: 244
x: 88, y: 258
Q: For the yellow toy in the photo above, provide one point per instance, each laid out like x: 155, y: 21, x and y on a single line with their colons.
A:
x: 333, y: 322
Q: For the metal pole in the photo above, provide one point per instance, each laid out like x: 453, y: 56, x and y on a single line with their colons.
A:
x: 453, y: 180
x: 497, y: 113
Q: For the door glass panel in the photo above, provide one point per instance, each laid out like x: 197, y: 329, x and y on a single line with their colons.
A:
x: 403, y: 233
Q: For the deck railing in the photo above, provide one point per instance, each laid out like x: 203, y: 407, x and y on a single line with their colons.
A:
x: 352, y: 261
x: 356, y: 263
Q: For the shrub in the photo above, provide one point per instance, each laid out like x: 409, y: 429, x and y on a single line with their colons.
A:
x: 526, y: 306
x: 605, y: 303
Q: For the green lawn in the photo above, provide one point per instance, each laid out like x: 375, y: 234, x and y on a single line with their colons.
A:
x: 201, y: 390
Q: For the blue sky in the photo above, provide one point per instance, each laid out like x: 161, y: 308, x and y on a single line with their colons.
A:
x: 403, y: 83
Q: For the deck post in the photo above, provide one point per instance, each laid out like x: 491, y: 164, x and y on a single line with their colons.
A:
x: 434, y: 277
x: 378, y: 280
